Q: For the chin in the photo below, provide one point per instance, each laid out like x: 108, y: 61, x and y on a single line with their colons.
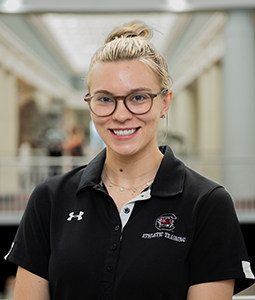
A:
x: 125, y: 150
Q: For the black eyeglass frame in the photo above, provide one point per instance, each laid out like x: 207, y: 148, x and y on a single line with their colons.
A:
x: 88, y: 98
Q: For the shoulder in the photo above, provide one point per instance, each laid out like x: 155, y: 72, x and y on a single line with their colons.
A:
x: 204, y: 189
x: 59, y: 184
x: 211, y: 202
x: 206, y: 194
x: 72, y: 177
x: 198, y: 184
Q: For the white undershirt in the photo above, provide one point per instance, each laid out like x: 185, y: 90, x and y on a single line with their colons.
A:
x: 127, y: 209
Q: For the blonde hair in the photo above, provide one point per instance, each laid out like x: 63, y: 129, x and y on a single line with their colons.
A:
x: 129, y: 42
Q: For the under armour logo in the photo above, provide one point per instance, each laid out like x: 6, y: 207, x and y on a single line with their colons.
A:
x: 73, y: 216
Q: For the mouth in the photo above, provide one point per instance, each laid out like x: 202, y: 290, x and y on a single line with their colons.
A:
x: 124, y: 132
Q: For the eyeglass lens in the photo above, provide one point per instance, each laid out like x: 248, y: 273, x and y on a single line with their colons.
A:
x: 137, y: 103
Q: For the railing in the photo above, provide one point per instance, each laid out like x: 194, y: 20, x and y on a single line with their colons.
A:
x: 244, y: 298
x: 18, y: 177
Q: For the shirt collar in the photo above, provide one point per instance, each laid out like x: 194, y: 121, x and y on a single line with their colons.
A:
x: 91, y: 175
x: 169, y: 180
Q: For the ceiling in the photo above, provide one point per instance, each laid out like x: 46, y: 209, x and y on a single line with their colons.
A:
x: 75, y: 29
x: 92, y: 6
x: 77, y: 37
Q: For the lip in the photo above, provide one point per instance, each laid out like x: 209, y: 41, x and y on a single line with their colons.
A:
x: 124, y: 133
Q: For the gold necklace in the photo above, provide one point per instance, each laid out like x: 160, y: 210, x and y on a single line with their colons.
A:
x: 133, y: 189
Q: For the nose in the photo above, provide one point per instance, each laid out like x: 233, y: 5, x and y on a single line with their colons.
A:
x: 121, y: 113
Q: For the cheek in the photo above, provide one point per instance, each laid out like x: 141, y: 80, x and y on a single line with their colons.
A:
x: 154, y: 114
x: 151, y: 122
x: 99, y: 123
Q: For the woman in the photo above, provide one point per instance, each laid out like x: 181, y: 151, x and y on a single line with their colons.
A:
x: 135, y: 223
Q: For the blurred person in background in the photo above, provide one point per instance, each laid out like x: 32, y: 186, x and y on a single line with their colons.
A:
x: 135, y: 223
x: 54, y: 138
x: 74, y: 142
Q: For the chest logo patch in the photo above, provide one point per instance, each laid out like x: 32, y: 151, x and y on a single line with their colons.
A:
x: 72, y: 215
x: 166, y: 222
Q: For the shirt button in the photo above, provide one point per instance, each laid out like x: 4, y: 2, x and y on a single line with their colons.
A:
x: 109, y: 268
x: 126, y: 210
x: 114, y: 247
x: 117, y: 227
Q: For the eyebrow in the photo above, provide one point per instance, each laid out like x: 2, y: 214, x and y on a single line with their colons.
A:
x: 130, y: 92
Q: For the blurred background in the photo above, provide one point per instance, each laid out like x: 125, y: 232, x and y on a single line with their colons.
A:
x: 45, y: 126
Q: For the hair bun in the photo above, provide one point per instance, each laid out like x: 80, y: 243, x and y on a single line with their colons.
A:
x: 130, y: 30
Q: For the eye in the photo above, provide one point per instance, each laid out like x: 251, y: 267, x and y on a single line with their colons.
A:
x: 104, y: 99
x: 140, y: 97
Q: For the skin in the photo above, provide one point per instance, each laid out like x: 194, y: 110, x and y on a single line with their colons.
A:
x: 130, y: 160
x: 30, y: 286
x: 219, y: 290
x: 137, y: 155
x: 120, y: 79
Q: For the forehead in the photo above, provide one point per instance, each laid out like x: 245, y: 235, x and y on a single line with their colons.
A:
x: 122, y: 76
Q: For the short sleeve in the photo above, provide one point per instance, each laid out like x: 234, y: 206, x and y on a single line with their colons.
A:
x: 31, y: 246
x: 218, y: 251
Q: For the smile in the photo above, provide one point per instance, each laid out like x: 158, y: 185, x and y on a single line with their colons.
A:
x: 125, y: 131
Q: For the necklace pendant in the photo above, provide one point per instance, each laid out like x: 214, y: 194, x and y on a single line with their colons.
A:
x: 121, y: 189
x: 134, y: 190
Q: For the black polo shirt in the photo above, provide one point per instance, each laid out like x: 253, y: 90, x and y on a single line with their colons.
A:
x: 180, y: 232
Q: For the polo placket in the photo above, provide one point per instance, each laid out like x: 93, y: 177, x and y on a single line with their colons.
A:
x: 118, y: 223
x: 112, y: 253
x: 127, y: 209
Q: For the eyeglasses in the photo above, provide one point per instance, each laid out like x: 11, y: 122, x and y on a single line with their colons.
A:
x: 138, y: 102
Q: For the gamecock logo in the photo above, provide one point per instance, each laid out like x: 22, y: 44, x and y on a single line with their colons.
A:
x: 166, y: 222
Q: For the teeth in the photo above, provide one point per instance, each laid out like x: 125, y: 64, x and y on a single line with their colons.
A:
x: 124, y: 132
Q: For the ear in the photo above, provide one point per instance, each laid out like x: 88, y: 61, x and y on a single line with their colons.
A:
x: 166, y: 103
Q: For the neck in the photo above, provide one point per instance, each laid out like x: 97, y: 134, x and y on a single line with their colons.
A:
x: 132, y: 170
